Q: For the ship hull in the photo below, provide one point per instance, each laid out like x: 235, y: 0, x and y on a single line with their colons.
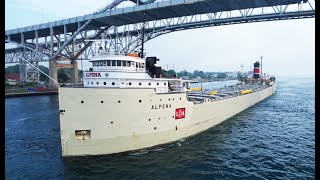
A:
x: 119, y: 120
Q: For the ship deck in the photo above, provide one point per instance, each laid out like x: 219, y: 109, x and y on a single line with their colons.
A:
x: 199, y: 97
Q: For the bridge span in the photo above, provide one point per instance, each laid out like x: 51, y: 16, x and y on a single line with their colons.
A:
x: 122, y: 27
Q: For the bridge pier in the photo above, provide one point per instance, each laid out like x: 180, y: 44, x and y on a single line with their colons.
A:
x: 22, y: 70
x: 53, y: 73
x: 74, y: 71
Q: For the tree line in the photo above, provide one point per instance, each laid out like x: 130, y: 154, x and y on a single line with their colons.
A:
x: 64, y: 74
x: 196, y: 74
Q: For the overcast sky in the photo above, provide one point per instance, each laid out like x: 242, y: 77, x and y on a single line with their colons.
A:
x: 288, y: 47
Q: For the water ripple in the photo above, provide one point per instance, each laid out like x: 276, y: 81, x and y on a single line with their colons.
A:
x: 272, y: 140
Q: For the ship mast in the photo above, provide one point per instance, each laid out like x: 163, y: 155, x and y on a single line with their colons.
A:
x: 142, y: 38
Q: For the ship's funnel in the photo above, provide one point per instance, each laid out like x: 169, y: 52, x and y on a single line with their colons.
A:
x: 256, y: 70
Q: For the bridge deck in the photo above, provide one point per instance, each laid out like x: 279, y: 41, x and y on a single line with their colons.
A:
x: 131, y: 15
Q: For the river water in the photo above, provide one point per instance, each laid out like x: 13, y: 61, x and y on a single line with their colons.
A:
x: 274, y: 139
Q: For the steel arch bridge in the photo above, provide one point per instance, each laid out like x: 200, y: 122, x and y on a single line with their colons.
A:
x: 122, y: 28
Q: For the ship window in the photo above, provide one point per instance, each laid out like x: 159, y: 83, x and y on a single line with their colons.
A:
x: 128, y: 63
x: 108, y: 63
x: 113, y: 83
x: 165, y: 83
x: 124, y: 63
x: 97, y: 62
x: 101, y: 101
x: 149, y: 119
x: 104, y: 83
x: 101, y: 63
x: 119, y: 101
x: 118, y: 63
x: 113, y: 63
x: 142, y: 65
x: 97, y: 83
x: 88, y: 83
x: 91, y: 83
x: 155, y: 128
x: 82, y: 102
x: 139, y: 101
x: 104, y: 63
x: 149, y: 84
x: 157, y: 84
x: 140, y: 84
x: 129, y: 83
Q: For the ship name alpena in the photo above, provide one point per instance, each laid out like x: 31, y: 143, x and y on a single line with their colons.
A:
x: 161, y: 106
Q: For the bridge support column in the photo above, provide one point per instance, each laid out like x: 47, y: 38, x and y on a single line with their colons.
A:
x: 74, y: 71
x: 53, y: 73
x: 23, y: 70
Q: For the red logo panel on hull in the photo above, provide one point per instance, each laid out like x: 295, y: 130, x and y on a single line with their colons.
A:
x: 180, y: 113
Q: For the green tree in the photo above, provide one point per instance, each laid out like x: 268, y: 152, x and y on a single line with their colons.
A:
x: 201, y: 74
x: 171, y: 73
x: 42, y: 76
x: 12, y: 69
x: 221, y: 76
x: 63, y: 75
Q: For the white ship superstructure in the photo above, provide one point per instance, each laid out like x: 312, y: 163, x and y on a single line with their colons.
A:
x: 126, y: 104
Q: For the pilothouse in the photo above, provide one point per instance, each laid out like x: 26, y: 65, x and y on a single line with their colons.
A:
x: 131, y: 71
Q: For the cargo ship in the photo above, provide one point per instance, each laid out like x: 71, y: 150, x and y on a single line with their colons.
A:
x: 126, y: 103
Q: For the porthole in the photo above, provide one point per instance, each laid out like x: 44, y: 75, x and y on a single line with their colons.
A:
x: 169, y: 99
x: 149, y: 119
x: 129, y: 83
x: 91, y: 83
x: 140, y: 84
x: 172, y: 116
x: 104, y: 83
x: 122, y: 82
x: 180, y: 98
x: 82, y: 102
x: 165, y: 83
x: 149, y: 84
x: 160, y: 99
x: 176, y: 127
x: 97, y: 83
x: 101, y: 101
x: 88, y: 83
x: 172, y: 99
x: 140, y: 101
x: 113, y: 83
x: 155, y: 128
x: 157, y: 84
x: 111, y: 122
x: 159, y: 118
x: 119, y: 101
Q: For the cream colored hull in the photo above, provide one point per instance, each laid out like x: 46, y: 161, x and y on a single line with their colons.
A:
x: 122, y: 123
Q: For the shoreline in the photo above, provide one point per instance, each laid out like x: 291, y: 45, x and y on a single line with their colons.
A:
x: 10, y: 95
